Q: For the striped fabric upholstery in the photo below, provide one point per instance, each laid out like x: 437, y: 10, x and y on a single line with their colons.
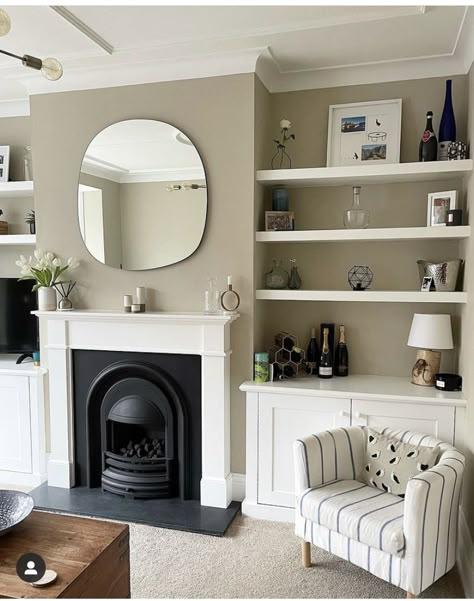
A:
x: 327, y: 456
x: 430, y: 509
x: 358, y: 511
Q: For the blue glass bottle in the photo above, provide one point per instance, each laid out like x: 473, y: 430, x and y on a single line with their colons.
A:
x: 447, y: 126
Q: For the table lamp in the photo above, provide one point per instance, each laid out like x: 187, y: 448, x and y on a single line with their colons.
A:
x: 429, y: 332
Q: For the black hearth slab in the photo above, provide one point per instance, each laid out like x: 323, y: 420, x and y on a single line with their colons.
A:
x: 175, y: 514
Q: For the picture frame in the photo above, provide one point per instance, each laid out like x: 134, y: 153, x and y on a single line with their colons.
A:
x: 439, y: 203
x: 427, y: 284
x: 278, y: 221
x: 364, y: 133
x: 4, y: 163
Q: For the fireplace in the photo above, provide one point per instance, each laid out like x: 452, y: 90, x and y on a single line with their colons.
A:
x: 141, y: 428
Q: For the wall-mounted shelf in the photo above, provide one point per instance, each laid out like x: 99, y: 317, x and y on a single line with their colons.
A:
x: 375, y: 234
x: 368, y: 296
x: 16, y: 189
x: 366, y: 174
x: 18, y: 240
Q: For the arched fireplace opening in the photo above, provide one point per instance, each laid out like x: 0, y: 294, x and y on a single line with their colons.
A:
x: 137, y: 433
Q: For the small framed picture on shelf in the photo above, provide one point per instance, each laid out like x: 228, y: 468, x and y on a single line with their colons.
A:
x: 364, y: 133
x: 439, y: 203
x: 279, y: 221
x: 427, y: 284
x: 4, y: 163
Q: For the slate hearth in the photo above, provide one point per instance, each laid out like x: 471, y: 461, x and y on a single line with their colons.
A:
x: 175, y: 514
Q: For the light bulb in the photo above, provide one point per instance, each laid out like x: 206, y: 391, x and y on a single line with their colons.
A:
x: 5, y: 22
x: 51, y: 69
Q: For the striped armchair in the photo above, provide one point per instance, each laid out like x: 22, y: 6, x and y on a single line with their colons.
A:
x: 408, y: 542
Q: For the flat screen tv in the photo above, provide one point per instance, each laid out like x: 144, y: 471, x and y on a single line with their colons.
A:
x: 18, y: 328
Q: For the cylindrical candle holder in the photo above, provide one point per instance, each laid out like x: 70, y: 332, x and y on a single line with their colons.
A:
x: 127, y: 303
x: 140, y: 293
x: 136, y: 308
x: 261, y: 368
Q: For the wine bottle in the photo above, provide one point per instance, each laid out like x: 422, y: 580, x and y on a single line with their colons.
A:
x: 447, y: 126
x: 341, y: 367
x: 312, y: 356
x: 428, y: 150
x: 325, y: 362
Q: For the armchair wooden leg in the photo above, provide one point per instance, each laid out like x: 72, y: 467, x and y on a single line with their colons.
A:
x: 411, y: 596
x: 306, y: 554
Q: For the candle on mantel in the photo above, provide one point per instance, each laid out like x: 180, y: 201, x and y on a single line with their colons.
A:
x: 141, y: 295
x: 229, y: 280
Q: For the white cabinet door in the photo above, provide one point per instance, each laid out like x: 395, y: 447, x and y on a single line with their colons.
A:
x: 435, y: 420
x: 15, y: 428
x: 282, y: 419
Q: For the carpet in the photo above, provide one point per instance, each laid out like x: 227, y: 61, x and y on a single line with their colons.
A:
x: 256, y: 559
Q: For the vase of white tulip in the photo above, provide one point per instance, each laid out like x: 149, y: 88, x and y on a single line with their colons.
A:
x: 46, y: 271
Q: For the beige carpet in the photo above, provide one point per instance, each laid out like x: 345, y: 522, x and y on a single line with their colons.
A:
x: 256, y: 559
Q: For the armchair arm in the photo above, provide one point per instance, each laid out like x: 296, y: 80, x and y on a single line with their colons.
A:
x: 430, y: 521
x: 326, y: 456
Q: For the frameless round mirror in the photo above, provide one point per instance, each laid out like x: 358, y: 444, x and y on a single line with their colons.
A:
x: 142, y: 197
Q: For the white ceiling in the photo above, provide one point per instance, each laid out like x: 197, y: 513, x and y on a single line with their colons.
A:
x: 139, y: 150
x: 290, y: 47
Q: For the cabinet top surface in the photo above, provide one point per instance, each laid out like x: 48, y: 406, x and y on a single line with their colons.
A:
x: 8, y: 367
x: 386, y: 388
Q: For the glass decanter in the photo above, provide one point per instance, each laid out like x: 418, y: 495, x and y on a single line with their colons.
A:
x: 294, y: 281
x: 277, y: 277
x: 356, y: 218
x: 212, y: 297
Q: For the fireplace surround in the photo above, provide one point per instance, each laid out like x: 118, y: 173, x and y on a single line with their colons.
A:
x: 205, y: 337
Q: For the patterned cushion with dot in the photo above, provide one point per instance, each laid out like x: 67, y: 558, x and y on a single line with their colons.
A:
x: 391, y: 463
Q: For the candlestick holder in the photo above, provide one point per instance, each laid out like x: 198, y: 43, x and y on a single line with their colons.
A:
x: 230, y: 300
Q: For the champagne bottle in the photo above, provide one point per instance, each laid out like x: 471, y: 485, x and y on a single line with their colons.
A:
x: 312, y: 356
x: 342, y: 354
x: 447, y: 126
x: 428, y: 150
x: 325, y: 362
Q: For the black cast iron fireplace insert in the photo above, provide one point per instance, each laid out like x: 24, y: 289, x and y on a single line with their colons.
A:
x: 137, y: 430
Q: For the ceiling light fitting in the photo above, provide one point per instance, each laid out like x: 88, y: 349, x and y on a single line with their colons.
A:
x: 49, y: 67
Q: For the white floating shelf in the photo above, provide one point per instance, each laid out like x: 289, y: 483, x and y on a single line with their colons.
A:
x: 367, y: 296
x: 365, y: 174
x: 18, y: 240
x: 16, y: 189
x: 387, y: 233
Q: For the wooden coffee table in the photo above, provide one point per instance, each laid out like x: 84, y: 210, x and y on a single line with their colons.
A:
x: 91, y: 557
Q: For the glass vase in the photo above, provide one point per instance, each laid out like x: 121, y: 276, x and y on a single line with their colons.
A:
x: 294, y: 280
x: 277, y: 277
x: 356, y: 218
x: 212, y: 297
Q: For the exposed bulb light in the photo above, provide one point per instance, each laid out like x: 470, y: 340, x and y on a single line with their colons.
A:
x: 5, y: 23
x: 185, y: 186
x: 49, y: 67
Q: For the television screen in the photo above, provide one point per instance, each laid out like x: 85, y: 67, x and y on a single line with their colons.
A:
x: 18, y: 328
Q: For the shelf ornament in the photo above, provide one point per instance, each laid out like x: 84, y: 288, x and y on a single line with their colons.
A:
x: 281, y: 159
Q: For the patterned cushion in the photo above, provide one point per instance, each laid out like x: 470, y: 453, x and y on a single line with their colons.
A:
x: 372, y: 517
x: 390, y: 463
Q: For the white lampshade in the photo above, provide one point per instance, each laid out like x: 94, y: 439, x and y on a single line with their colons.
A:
x: 431, y: 332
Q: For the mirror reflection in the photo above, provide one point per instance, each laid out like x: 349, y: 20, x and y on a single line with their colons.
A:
x: 142, y: 197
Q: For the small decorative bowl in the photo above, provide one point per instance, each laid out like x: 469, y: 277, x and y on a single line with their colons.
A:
x: 15, y: 506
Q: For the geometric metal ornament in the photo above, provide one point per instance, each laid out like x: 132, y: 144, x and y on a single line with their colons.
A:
x: 360, y: 277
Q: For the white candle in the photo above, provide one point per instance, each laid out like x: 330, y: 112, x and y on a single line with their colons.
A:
x: 127, y: 300
x: 229, y: 280
x: 141, y: 295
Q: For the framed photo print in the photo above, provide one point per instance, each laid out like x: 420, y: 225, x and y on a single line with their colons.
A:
x: 276, y: 221
x: 4, y: 163
x: 364, y: 133
x: 427, y: 284
x: 439, y: 203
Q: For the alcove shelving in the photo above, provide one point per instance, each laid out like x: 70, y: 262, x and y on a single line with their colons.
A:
x: 14, y: 191
x: 366, y: 296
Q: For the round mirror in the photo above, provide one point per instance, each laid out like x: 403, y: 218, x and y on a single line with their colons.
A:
x: 142, y: 197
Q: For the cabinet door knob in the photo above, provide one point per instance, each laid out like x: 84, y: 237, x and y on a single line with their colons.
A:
x: 359, y: 415
x: 344, y: 414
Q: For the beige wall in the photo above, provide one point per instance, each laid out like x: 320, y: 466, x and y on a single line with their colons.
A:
x: 377, y: 333
x: 160, y: 227
x: 467, y: 349
x: 16, y: 133
x: 218, y: 115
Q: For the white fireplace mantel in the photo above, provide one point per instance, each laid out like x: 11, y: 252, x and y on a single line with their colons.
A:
x: 151, y: 332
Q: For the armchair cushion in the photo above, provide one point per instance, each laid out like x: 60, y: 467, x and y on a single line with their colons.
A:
x: 391, y: 463
x: 359, y: 512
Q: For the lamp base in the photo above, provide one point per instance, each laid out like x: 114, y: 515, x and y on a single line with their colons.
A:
x: 426, y: 367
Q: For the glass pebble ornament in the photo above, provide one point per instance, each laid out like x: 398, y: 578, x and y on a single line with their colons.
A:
x: 360, y: 277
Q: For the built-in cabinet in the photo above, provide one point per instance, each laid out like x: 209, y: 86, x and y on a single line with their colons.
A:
x: 279, y: 413
x: 22, y: 424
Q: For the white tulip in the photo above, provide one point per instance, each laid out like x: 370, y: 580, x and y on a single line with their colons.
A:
x: 56, y: 262
x: 73, y: 263
x: 38, y: 254
x: 285, y: 124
